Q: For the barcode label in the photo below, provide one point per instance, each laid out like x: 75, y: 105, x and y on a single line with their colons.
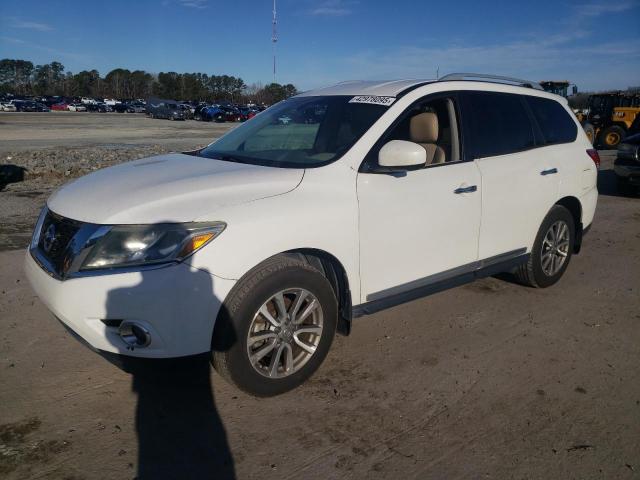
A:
x: 373, y: 99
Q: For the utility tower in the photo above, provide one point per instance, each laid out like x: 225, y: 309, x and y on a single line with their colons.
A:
x: 274, y: 39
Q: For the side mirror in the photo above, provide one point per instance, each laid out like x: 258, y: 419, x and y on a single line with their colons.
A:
x: 400, y: 153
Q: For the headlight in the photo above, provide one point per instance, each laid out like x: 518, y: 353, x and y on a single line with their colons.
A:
x: 134, y: 245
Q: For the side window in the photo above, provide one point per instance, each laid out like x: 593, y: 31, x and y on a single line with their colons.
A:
x: 554, y: 121
x: 432, y: 124
x: 495, y: 124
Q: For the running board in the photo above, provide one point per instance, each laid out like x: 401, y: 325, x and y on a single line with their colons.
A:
x: 455, y: 277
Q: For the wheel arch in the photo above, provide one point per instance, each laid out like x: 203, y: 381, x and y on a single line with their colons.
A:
x: 335, y: 272
x: 575, y: 208
x: 329, y: 266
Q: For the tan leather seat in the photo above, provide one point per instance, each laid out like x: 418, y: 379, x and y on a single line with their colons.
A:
x: 423, y: 130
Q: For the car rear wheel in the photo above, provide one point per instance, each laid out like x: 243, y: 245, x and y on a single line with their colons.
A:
x: 552, y: 250
x: 276, y: 327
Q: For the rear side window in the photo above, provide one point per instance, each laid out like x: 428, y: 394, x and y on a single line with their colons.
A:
x: 554, y: 121
x: 495, y: 124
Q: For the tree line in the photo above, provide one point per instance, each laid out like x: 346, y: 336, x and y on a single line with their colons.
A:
x: 21, y: 77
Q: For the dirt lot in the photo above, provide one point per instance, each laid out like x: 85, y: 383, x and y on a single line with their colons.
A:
x: 489, y: 380
x: 56, y: 147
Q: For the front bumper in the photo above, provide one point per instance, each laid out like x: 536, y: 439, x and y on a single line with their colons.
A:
x: 177, y: 304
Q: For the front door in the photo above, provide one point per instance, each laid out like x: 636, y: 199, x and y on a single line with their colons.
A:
x: 422, y: 225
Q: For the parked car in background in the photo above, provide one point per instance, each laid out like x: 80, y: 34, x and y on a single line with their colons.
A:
x: 231, y: 114
x: 164, y: 109
x: 8, y: 107
x: 213, y: 113
x: 24, y: 105
x: 60, y: 107
x: 120, y: 107
x: 99, y: 107
x: 136, y: 107
x: 208, y: 113
x: 198, y: 111
x: 247, y: 113
x: 77, y: 107
x: 50, y: 101
x: 41, y: 107
x: 627, y: 164
x: 186, y: 111
x: 188, y: 106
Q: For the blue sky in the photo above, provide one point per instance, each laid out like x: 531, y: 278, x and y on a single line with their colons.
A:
x: 595, y: 44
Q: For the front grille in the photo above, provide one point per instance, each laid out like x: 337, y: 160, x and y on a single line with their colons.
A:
x: 55, y: 238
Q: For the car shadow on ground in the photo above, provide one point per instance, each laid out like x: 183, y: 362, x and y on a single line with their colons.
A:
x: 180, y: 433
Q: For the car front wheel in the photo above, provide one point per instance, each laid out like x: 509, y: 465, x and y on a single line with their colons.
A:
x: 551, y: 251
x: 276, y: 327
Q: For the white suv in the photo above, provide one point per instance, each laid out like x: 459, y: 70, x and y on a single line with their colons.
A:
x: 259, y: 247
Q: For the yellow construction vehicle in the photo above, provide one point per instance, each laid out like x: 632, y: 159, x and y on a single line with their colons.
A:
x: 608, y: 116
x: 559, y: 87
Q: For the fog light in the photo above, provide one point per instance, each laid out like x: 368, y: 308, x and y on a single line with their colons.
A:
x: 134, y: 334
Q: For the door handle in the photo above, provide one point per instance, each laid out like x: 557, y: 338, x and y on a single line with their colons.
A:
x: 469, y: 189
x: 550, y: 171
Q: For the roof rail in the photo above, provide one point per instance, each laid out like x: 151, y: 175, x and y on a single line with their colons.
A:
x: 492, y: 79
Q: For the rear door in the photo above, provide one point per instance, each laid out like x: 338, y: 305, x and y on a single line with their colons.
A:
x: 519, y: 182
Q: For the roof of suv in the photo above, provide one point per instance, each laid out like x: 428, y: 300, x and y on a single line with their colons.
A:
x: 385, y: 88
x: 394, y: 88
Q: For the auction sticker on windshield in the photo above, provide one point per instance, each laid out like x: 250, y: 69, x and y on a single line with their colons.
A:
x: 373, y: 99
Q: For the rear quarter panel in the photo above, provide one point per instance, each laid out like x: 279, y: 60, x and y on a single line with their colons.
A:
x: 579, y: 174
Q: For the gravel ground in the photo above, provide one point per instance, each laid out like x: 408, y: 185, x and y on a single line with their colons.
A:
x: 489, y: 380
x: 58, y: 147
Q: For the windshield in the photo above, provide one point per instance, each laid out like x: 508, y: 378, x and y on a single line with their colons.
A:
x: 300, y: 132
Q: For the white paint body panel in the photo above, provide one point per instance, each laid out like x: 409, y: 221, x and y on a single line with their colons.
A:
x: 515, y: 199
x: 384, y: 231
x: 177, y: 304
x: 415, y: 226
x: 168, y: 188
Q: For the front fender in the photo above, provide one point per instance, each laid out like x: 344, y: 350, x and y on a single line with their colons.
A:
x: 312, y: 216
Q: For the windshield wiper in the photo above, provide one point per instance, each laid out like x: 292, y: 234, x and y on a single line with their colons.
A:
x: 230, y: 158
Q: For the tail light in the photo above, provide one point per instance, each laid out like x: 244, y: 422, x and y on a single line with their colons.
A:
x: 594, y: 156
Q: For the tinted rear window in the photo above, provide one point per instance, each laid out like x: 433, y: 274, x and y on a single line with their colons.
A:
x: 555, y: 122
x: 495, y: 124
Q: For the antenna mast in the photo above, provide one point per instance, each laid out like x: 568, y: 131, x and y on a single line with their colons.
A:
x: 274, y: 39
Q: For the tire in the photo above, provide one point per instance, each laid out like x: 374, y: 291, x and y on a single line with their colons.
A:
x: 591, y: 132
x: 612, y: 136
x: 240, y: 320
x: 537, y: 272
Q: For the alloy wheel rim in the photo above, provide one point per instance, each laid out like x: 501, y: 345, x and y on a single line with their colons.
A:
x: 285, y: 333
x: 555, y: 248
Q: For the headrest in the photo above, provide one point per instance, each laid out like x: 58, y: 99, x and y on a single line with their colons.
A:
x: 424, y: 128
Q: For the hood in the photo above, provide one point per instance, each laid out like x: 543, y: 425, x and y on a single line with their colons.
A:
x: 168, y: 188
